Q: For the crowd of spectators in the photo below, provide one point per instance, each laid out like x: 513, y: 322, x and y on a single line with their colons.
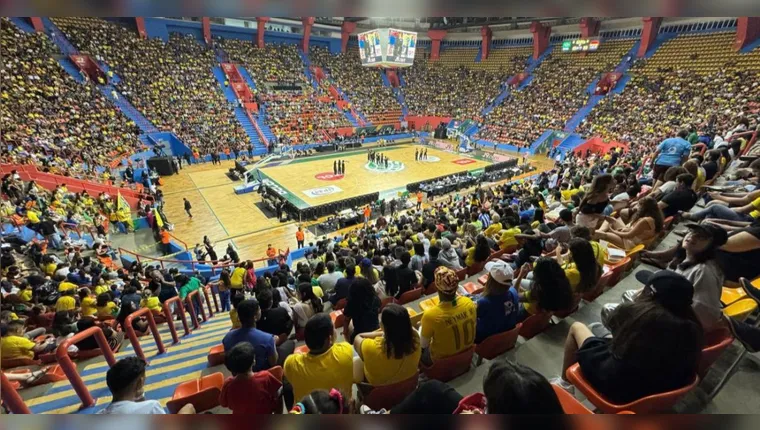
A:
x: 363, y: 85
x: 296, y: 112
x: 171, y: 83
x: 47, y: 118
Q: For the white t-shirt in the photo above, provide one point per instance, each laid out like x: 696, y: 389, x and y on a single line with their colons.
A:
x: 146, y: 407
x: 621, y: 197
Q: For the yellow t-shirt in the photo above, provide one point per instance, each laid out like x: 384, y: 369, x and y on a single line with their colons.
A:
x: 66, y: 285
x: 470, y: 258
x: 50, y: 269
x: 237, y: 277
x: 600, y: 253
x: 234, y: 318
x: 492, y: 229
x: 16, y: 347
x: 573, y: 275
x: 65, y: 303
x: 151, y: 303
x: 381, y: 370
x: 26, y: 295
x: 508, y: 238
x: 700, y: 179
x: 107, y: 310
x: 451, y: 329
x: 89, y: 307
x: 331, y: 369
x: 100, y: 289
x: 755, y: 204
x: 318, y: 292
x: 568, y: 194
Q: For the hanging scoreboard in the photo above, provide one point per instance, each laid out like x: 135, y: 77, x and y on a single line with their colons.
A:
x: 580, y: 45
x: 387, y: 47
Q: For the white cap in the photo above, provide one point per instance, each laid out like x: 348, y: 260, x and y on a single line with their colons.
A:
x: 500, y: 271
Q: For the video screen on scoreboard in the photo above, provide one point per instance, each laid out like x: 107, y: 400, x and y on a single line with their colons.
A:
x: 370, y: 51
x: 401, y: 46
x: 580, y: 45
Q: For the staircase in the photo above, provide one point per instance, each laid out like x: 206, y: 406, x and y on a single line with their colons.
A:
x: 358, y: 117
x: 126, y: 107
x: 261, y: 122
x: 386, y: 81
x: 57, y: 36
x: 533, y: 64
x: 401, y: 100
x: 227, y: 90
x: 497, y: 101
x: 258, y: 146
x: 401, y: 80
x: 306, y: 71
x: 471, y: 130
x: 70, y: 68
x: 350, y: 117
x: 22, y: 25
x: 246, y: 76
x: 579, y: 116
x: 546, y: 135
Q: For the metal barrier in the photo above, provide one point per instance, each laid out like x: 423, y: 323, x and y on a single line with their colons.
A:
x: 206, y: 291
x: 170, y: 318
x: 191, y: 308
x: 70, y: 369
x: 11, y: 398
x: 132, y: 335
x: 210, y: 289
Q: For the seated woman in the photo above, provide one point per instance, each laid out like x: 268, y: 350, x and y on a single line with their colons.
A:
x: 390, y: 354
x: 479, y: 253
x: 591, y: 208
x: 307, y: 306
x: 362, y: 307
x: 582, y: 270
x: 656, y: 344
x: 644, y: 226
x: 549, y: 289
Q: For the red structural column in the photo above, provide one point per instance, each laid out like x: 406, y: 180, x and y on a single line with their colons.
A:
x: 541, y: 35
x: 307, y: 23
x: 70, y: 369
x: 206, y: 22
x: 261, y: 22
x: 436, y: 36
x: 589, y: 27
x: 345, y: 32
x: 747, y: 31
x: 648, y: 34
x: 487, y: 36
x: 11, y: 397
x: 37, y: 24
x: 140, y: 21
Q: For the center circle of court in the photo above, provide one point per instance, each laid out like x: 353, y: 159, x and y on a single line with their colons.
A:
x: 328, y: 176
x: 393, y: 166
x: 431, y: 159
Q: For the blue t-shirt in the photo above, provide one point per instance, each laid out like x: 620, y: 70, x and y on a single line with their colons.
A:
x: 672, y: 151
x: 496, y: 314
x: 263, y: 344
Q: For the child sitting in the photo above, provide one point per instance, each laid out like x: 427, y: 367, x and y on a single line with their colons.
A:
x: 236, y: 300
x: 150, y: 301
x: 247, y: 392
x: 14, y: 344
x: 66, y: 302
x: 88, y: 303
x: 106, y: 308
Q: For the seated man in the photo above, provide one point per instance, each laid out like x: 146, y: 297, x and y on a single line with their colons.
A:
x: 499, y: 305
x: 126, y: 380
x: 263, y: 343
x: 683, y: 198
x: 14, y: 344
x: 327, y: 365
x: 448, y: 328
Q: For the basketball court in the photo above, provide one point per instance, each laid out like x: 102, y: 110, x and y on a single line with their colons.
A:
x: 227, y: 217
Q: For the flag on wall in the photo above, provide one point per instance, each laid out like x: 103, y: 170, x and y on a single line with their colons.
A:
x: 158, y: 218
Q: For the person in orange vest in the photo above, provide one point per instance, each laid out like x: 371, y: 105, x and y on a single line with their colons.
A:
x: 271, y: 254
x: 419, y: 200
x: 367, y: 212
x: 299, y: 239
x: 165, y: 241
x: 227, y: 152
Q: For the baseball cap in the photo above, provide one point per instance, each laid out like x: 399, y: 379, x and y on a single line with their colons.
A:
x: 365, y: 262
x: 500, y: 271
x: 668, y: 287
x: 718, y: 235
x: 446, y: 280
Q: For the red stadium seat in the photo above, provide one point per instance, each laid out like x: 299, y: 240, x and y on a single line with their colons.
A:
x: 431, y: 289
x: 341, y: 304
x: 10, y: 363
x: 216, y: 356
x: 410, y: 296
x: 202, y: 393
x: 386, y: 301
x: 661, y: 402
x: 388, y: 396
x: 535, y: 324
x: 717, y: 341
x: 338, y: 318
x: 570, y: 405
x: 475, y: 268
x: 446, y: 369
x: 472, y: 288
x: 493, y: 346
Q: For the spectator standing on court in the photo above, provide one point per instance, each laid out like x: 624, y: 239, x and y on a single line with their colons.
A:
x: 299, y: 238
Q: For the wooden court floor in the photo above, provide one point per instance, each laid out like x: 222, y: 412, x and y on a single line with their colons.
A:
x: 303, y: 180
x: 227, y: 217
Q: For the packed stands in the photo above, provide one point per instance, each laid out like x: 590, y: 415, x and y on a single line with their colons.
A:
x: 296, y: 112
x: 558, y: 90
x: 170, y: 83
x: 50, y: 119
x: 691, y: 81
x: 363, y: 85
